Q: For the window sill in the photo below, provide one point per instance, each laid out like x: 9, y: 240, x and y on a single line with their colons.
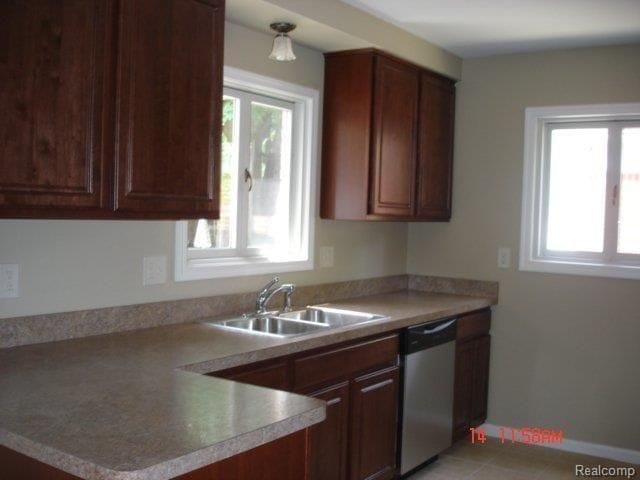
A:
x: 592, y: 269
x: 203, y: 269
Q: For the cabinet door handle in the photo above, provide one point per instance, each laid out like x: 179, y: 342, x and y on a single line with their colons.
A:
x: 249, y: 178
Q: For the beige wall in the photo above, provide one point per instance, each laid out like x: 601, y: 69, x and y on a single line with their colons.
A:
x: 71, y: 265
x: 565, y: 348
x: 330, y: 25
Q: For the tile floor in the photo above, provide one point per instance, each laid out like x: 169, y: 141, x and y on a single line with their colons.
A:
x: 496, y: 461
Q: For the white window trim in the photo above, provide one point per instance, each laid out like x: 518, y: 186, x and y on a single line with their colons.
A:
x: 536, y: 119
x: 306, y: 102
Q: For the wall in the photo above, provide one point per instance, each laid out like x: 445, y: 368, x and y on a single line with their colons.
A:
x: 71, y: 265
x: 565, y: 348
x: 331, y: 25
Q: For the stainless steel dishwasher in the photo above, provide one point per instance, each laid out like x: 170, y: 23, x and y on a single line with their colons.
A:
x: 428, y: 357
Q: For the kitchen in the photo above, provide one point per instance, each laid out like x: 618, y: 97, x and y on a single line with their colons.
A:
x: 106, y: 329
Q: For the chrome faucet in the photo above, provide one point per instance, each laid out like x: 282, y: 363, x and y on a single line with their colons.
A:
x: 266, y: 294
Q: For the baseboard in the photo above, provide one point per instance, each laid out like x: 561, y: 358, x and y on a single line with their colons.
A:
x: 577, y: 446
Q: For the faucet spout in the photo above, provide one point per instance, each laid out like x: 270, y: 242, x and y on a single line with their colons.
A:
x: 266, y: 294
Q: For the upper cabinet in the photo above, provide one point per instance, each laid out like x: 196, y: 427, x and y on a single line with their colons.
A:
x: 435, y: 147
x: 387, y: 139
x: 169, y: 107
x: 111, y: 109
x: 395, y: 123
x: 54, y: 98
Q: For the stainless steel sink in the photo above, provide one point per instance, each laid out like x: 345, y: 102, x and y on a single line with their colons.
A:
x: 273, y: 326
x: 331, y: 317
x: 300, y: 322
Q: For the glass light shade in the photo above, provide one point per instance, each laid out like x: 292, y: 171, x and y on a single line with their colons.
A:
x: 282, y: 50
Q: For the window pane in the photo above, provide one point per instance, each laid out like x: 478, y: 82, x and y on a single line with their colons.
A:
x: 629, y: 219
x: 270, y: 162
x: 577, y: 189
x: 220, y: 233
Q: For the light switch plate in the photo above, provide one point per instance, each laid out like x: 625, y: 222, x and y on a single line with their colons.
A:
x: 326, y: 257
x: 504, y: 257
x: 9, y: 280
x: 154, y: 270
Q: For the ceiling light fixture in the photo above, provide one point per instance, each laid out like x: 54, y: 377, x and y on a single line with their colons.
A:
x: 282, y: 50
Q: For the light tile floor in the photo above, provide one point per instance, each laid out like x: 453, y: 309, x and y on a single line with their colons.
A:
x: 496, y: 461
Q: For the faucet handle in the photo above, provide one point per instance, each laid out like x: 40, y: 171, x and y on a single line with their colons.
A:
x: 288, y: 291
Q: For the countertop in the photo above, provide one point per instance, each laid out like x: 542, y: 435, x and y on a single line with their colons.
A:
x: 134, y: 405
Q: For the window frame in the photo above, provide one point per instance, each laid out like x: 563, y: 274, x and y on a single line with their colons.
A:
x: 217, y: 263
x: 539, y: 121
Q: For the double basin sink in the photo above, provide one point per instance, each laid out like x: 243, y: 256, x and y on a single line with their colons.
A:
x: 299, y: 322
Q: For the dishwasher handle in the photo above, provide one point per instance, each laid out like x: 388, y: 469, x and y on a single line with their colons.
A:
x: 428, y: 335
x: 438, y: 328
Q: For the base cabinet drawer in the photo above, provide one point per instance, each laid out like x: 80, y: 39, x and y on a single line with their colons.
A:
x: 271, y: 375
x: 343, y: 363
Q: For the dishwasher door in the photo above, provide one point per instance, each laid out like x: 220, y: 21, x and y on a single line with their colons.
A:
x: 427, y: 421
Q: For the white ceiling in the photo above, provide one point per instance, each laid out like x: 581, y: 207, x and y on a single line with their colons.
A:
x: 473, y: 28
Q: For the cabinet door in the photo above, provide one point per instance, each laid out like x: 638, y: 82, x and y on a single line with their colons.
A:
x: 169, y: 108
x: 54, y: 62
x: 374, y: 425
x: 480, y: 385
x: 435, y: 148
x: 393, y: 184
x: 471, y: 385
x: 328, y: 440
x: 465, y: 355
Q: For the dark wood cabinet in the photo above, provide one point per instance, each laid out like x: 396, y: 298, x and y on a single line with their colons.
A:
x: 471, y: 372
x: 169, y: 107
x: 268, y: 374
x: 329, y: 440
x: 435, y: 148
x: 480, y: 386
x: 387, y: 139
x: 286, y: 459
x: 282, y: 459
x: 465, y: 354
x: 55, y: 94
x: 359, y: 381
x: 111, y: 109
x: 374, y: 425
x: 393, y: 175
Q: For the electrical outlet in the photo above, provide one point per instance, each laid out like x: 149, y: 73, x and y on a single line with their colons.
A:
x: 154, y: 270
x: 504, y: 257
x: 9, y: 280
x: 326, y: 257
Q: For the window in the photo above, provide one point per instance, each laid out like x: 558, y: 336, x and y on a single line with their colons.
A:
x: 581, y: 190
x: 267, y: 182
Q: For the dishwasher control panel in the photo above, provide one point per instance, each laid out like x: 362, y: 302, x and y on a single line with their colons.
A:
x: 428, y: 335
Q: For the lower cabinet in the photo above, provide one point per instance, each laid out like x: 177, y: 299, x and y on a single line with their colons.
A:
x: 270, y: 375
x: 472, y: 373
x: 285, y: 457
x: 374, y: 425
x: 360, y: 383
x: 329, y: 440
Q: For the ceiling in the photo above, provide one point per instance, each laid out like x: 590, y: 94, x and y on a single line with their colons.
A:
x: 473, y: 28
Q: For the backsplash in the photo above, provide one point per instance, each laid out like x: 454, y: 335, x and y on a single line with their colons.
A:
x: 61, y: 326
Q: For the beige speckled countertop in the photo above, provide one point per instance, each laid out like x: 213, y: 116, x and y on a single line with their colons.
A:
x: 133, y: 405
